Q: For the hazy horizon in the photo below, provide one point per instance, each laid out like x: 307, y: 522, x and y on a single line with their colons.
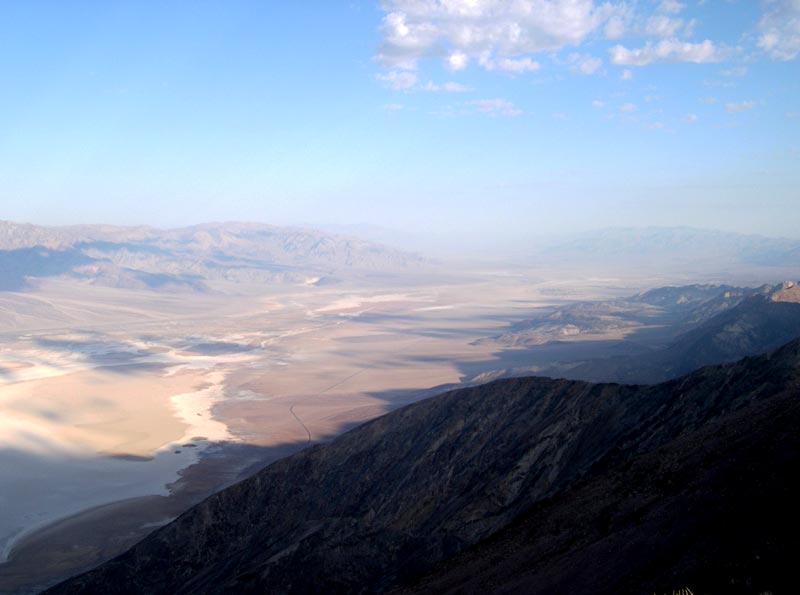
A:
x: 458, y: 245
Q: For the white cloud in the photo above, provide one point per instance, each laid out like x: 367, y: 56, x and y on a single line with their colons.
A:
x: 597, y: 103
x: 671, y: 6
x: 666, y: 50
x: 404, y: 80
x: 513, y: 65
x: 627, y: 107
x: 741, y: 106
x: 718, y: 83
x: 496, y: 107
x: 626, y: 75
x: 450, y: 87
x: 497, y: 29
x: 662, y: 26
x: 653, y: 126
x: 584, y: 64
x: 615, y: 27
x: 780, y: 27
x: 619, y: 21
x: 737, y: 71
x: 403, y: 40
x: 690, y: 118
x: 792, y: 114
x: 393, y: 107
x: 661, y: 23
x: 457, y: 61
x: 398, y: 80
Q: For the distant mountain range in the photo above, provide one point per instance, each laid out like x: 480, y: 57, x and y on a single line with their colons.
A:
x: 669, y: 248
x: 186, y: 258
x: 520, y: 485
x: 191, y: 258
x: 652, y: 248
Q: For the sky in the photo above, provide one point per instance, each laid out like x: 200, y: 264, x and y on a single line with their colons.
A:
x: 500, y: 118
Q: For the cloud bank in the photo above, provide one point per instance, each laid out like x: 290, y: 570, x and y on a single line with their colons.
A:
x: 492, y: 33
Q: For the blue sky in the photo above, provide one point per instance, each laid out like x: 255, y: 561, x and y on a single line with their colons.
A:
x: 515, y: 117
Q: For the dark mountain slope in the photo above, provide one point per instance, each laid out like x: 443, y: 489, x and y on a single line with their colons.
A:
x: 384, y: 502
x: 715, y: 511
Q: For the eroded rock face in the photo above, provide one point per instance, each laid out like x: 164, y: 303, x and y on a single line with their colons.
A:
x: 681, y: 307
x: 383, y: 503
x: 788, y: 291
x: 763, y: 321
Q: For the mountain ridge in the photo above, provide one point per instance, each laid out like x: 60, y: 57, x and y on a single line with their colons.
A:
x: 188, y: 257
x: 597, y: 537
x: 762, y: 321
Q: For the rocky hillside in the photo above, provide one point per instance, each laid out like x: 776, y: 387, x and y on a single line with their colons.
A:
x: 767, y: 318
x: 378, y: 507
x: 674, y: 308
x: 713, y: 510
x: 152, y: 258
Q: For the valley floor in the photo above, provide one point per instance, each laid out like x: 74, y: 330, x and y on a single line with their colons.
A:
x: 121, y: 409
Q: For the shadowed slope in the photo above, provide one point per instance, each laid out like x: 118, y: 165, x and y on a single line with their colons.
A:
x: 714, y: 511
x: 760, y: 323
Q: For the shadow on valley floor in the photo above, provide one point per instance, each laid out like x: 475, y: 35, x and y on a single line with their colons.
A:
x: 546, y: 356
x: 105, y: 246
x: 101, y: 350
x: 118, y: 356
x: 444, y: 327
x: 503, y: 362
x: 81, y: 541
